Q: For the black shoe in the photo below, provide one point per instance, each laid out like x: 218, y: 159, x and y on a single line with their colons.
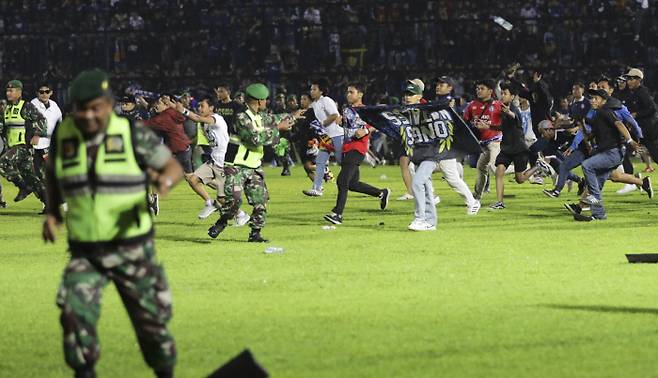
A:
x: 581, y: 187
x: 646, y: 186
x: 573, y: 208
x: 552, y: 193
x: 285, y: 172
x: 22, y: 194
x: 583, y: 218
x: 3, y: 204
x: 85, y: 372
x: 216, y: 229
x: 383, y: 198
x: 169, y: 373
x: 334, y: 218
x: 497, y: 206
x: 255, y: 237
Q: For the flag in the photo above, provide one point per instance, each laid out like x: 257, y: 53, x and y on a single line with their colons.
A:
x: 392, y: 121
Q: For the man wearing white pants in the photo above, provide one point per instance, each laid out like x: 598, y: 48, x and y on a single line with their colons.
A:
x: 450, y: 170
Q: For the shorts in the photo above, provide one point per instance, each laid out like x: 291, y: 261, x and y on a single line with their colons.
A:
x: 520, y: 160
x: 213, y: 176
x: 185, y: 160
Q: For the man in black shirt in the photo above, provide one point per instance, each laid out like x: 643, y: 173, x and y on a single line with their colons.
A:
x: 513, y: 148
x: 612, y: 137
x: 643, y: 109
x: 226, y: 107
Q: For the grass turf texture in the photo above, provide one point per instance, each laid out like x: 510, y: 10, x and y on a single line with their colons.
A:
x: 518, y: 292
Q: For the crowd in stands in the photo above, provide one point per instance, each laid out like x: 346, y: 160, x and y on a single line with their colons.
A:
x: 165, y: 44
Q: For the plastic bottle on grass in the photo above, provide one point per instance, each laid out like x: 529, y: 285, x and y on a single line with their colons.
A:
x: 273, y: 250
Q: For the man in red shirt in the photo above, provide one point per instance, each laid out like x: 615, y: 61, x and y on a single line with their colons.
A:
x: 168, y: 123
x: 355, y: 146
x: 485, y: 114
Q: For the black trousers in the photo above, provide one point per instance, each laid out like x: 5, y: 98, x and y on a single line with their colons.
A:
x: 627, y: 163
x: 39, y: 161
x: 348, y: 179
x: 652, y: 146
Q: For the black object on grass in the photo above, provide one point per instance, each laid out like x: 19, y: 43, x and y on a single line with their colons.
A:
x: 241, y: 366
x: 646, y: 258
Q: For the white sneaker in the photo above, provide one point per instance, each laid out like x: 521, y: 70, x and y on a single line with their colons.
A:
x: 473, y: 208
x: 421, y: 225
x: 437, y: 200
x: 206, y: 211
x: 537, y: 180
x: 405, y: 197
x: 627, y: 189
x: 312, y: 193
x: 241, y: 219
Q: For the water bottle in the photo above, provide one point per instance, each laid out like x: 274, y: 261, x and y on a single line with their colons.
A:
x: 328, y: 228
x: 271, y: 250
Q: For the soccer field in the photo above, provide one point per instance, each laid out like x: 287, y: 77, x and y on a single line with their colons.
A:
x: 521, y: 292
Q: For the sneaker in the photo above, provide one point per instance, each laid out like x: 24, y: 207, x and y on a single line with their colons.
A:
x: 22, y: 194
x: 437, y: 200
x: 285, y: 172
x: 497, y: 206
x: 582, y: 185
x: 206, y: 211
x: 536, y: 180
x: 553, y: 193
x: 216, y: 229
x: 573, y: 208
x: 586, y: 218
x: 383, y: 198
x: 627, y: 189
x: 591, y: 200
x: 312, y: 193
x: 646, y: 186
x: 255, y: 237
x: 405, y: 197
x: 473, y: 208
x: 241, y: 219
x: 421, y: 225
x: 544, y: 168
x: 334, y: 218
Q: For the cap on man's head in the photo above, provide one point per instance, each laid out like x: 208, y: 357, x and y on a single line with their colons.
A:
x: 635, y: 72
x: 291, y: 97
x: 257, y: 91
x: 89, y: 85
x: 489, y: 83
x: 413, y: 87
x: 545, y: 125
x: 127, y: 99
x: 15, y: 84
x: 446, y: 79
x: 598, y: 92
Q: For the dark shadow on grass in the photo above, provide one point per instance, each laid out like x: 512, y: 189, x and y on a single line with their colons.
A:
x: 25, y: 214
x: 168, y: 223
x: 184, y: 239
x: 604, y: 309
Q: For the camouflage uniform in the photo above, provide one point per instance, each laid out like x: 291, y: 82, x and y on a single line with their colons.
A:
x: 16, y: 163
x: 249, y: 180
x: 139, y: 279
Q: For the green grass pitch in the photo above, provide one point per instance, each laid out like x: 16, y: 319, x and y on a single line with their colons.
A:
x: 522, y: 292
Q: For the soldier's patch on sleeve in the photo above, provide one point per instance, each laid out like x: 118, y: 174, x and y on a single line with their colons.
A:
x: 114, y: 144
x: 69, y: 148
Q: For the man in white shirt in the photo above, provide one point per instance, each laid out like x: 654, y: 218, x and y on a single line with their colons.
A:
x: 331, y: 135
x: 50, y: 110
x: 210, y: 173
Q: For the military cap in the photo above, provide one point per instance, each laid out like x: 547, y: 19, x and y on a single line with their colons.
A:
x: 413, y: 88
x: 89, y: 85
x: 15, y: 84
x: 257, y: 91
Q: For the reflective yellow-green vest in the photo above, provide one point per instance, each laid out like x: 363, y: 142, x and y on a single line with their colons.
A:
x: 202, y: 139
x: 15, y: 124
x: 106, y: 197
x: 250, y: 157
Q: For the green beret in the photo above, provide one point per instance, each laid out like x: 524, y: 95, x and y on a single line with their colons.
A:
x: 15, y: 84
x: 89, y: 85
x: 257, y: 91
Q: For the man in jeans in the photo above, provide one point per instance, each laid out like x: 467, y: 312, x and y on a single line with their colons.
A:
x: 485, y: 114
x: 355, y: 147
x: 326, y: 112
x: 612, y: 138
